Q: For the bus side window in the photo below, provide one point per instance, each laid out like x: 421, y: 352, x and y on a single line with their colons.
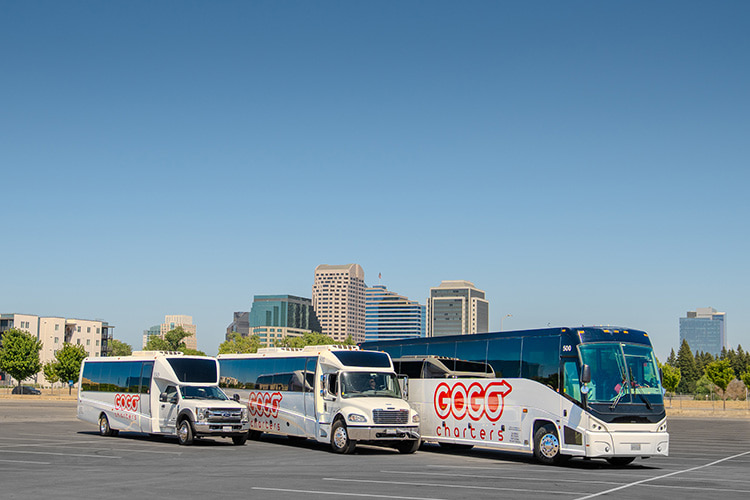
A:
x: 571, y: 382
x: 333, y: 385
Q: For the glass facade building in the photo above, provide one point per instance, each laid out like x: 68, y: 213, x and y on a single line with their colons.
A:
x: 273, y: 317
x: 704, y: 330
x: 457, y: 308
x: 389, y: 316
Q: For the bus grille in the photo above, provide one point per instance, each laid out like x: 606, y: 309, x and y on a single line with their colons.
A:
x: 388, y: 417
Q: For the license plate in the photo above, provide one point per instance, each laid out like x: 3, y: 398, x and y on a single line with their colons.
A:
x: 227, y: 428
x: 635, y: 447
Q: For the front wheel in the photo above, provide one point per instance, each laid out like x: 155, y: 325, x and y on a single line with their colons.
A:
x: 620, y: 461
x: 104, y: 427
x: 408, y: 447
x: 340, y: 441
x: 547, y: 445
x: 185, y: 432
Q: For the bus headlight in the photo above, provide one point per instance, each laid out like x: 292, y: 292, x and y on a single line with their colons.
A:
x: 202, y: 414
x: 354, y: 417
x: 415, y: 418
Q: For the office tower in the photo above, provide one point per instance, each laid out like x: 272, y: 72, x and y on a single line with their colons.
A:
x: 240, y: 324
x: 54, y: 331
x: 704, y: 330
x: 170, y: 323
x: 273, y: 317
x: 389, y: 316
x: 457, y: 308
x: 339, y: 301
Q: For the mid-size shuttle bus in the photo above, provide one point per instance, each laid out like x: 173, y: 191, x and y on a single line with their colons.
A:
x: 557, y: 392
x: 334, y: 394
x: 160, y: 393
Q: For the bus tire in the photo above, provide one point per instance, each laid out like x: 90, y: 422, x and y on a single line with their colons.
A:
x: 253, y: 435
x: 620, y: 461
x: 547, y: 445
x: 185, y: 432
x: 340, y: 441
x: 408, y: 447
x: 239, y: 440
x: 104, y: 427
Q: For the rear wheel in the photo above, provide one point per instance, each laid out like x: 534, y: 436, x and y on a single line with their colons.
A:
x: 620, y: 461
x: 254, y: 435
x: 408, y: 447
x: 340, y: 441
x: 185, y: 432
x: 547, y: 445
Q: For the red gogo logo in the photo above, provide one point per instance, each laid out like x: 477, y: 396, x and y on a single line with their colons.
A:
x: 476, y: 401
x: 127, y: 401
x: 264, y: 403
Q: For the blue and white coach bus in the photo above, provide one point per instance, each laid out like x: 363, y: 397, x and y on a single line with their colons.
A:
x: 557, y: 393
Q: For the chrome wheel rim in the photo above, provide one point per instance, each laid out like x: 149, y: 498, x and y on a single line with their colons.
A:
x: 103, y: 425
x: 340, y: 437
x: 183, y: 432
x: 549, y: 446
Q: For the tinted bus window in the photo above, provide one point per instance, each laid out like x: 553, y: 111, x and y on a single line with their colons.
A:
x: 504, y: 355
x: 445, y: 349
x: 412, y: 369
x: 472, y: 351
x: 369, y: 359
x: 411, y: 350
x: 541, y: 360
x: 194, y: 370
x: 148, y: 370
x: 91, y: 376
x: 134, y: 378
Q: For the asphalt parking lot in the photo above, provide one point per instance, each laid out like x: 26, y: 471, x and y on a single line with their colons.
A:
x: 45, y: 452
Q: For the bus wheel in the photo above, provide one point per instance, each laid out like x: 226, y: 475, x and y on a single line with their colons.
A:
x: 547, y: 445
x: 239, y: 440
x: 104, y: 428
x: 408, y: 447
x: 185, y: 432
x: 254, y: 435
x: 340, y: 441
x: 620, y: 461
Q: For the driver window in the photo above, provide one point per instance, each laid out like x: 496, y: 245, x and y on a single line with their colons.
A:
x: 333, y: 384
x: 571, y: 382
x: 171, y: 392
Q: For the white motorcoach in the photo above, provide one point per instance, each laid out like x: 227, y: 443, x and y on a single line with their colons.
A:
x: 159, y: 393
x: 334, y: 394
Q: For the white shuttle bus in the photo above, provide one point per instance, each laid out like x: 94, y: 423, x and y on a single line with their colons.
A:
x: 334, y: 394
x: 159, y: 393
x: 557, y: 393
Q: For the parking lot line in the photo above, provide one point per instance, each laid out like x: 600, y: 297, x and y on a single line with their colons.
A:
x: 636, y: 483
x: 369, y: 495
x: 25, y: 462
x: 457, y: 486
x: 23, y: 452
x: 484, y: 476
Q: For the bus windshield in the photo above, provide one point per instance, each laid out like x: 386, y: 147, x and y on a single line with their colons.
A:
x: 622, y: 373
x: 202, y: 392
x: 369, y: 384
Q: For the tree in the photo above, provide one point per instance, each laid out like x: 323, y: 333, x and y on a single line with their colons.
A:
x: 686, y: 364
x: 172, y: 341
x: 745, y: 377
x: 50, y: 372
x: 19, y: 354
x: 310, y: 338
x: 720, y: 373
x: 193, y: 352
x: 672, y: 359
x: 68, y: 364
x: 120, y: 348
x: 237, y: 344
x: 671, y: 379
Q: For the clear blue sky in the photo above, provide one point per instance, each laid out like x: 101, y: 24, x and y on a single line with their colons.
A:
x: 581, y: 162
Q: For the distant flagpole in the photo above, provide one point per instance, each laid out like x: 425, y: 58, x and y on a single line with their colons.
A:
x: 380, y: 277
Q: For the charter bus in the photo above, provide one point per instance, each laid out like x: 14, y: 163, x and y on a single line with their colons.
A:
x: 159, y: 393
x: 558, y: 393
x: 333, y: 394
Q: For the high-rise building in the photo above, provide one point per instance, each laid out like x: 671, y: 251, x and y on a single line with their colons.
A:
x: 457, y: 308
x: 170, y: 323
x: 705, y: 330
x: 389, y: 316
x: 274, y: 317
x: 338, y: 297
x: 240, y: 324
x: 53, y: 331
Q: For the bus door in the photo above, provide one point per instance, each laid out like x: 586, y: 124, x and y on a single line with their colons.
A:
x: 168, y: 408
x: 309, y: 396
x: 571, y: 389
x: 145, y: 393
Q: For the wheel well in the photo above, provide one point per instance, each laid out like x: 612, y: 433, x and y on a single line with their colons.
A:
x: 542, y: 423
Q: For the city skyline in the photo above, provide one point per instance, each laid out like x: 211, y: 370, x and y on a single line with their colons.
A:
x: 581, y: 164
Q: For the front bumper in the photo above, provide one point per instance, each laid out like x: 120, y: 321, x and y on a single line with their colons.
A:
x: 627, y: 444
x: 221, y: 429
x: 383, y: 433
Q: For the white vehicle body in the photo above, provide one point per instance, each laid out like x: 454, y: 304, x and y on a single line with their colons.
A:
x: 313, y: 393
x: 160, y: 393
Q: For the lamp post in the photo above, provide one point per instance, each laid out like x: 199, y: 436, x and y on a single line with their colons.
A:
x: 502, y: 319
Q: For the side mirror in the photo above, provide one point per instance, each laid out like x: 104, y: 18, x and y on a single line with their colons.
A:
x: 403, y: 381
x: 163, y: 397
x: 236, y: 397
x: 585, y: 374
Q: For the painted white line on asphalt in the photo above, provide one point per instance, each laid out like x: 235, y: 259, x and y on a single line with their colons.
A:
x: 697, y: 488
x: 22, y: 452
x: 458, y: 486
x: 25, y: 462
x: 636, y: 483
x: 369, y: 495
x: 549, y: 479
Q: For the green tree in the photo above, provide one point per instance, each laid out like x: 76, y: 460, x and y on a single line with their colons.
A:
x: 686, y: 364
x: 68, y: 364
x: 720, y: 373
x: 120, y: 348
x: 745, y: 377
x: 19, y: 354
x: 237, y: 344
x: 172, y: 341
x: 671, y: 379
x: 311, y: 338
x: 193, y: 352
x: 50, y: 372
x: 672, y: 359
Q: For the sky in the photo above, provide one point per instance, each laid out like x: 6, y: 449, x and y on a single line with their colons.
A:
x: 583, y: 163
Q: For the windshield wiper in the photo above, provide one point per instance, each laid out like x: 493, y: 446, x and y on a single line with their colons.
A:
x: 620, y: 394
x: 636, y: 387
